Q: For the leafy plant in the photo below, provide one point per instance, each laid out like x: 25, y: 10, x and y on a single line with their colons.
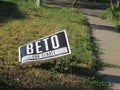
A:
x: 97, y: 83
x: 112, y: 13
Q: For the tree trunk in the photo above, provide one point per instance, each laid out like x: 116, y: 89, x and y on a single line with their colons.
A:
x: 111, y: 2
x: 118, y: 5
x: 39, y: 3
x: 74, y: 3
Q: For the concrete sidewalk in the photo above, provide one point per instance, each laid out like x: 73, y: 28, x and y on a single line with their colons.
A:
x: 107, y: 36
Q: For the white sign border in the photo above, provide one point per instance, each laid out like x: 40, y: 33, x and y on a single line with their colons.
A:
x: 20, y: 60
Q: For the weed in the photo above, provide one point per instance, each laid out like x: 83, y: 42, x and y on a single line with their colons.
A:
x: 97, y: 83
x: 113, y: 15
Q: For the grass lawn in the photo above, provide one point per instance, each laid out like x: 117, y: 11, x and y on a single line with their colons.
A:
x: 22, y: 22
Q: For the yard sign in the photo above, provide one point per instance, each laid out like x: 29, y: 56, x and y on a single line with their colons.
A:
x: 52, y: 46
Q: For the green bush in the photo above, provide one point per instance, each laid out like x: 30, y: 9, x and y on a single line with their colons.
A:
x: 112, y: 13
x: 97, y: 83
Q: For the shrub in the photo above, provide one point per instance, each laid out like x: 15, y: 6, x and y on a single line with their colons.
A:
x: 112, y: 13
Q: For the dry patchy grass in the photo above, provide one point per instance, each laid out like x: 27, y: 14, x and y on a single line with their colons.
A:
x: 39, y: 22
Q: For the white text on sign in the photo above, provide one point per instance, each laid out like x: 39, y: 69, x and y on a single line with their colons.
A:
x: 54, y: 42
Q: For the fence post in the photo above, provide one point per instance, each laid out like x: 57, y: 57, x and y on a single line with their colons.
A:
x: 39, y: 2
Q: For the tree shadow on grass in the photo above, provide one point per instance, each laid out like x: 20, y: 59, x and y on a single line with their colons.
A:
x: 73, y: 69
x: 80, y: 71
x: 76, y: 70
x: 21, y: 81
x: 9, y: 11
x: 48, y: 86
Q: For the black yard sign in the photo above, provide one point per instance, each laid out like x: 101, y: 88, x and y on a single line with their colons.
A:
x: 51, y: 46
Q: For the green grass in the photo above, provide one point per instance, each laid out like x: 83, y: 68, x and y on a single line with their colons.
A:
x: 117, y: 24
x: 73, y: 72
x: 113, y: 15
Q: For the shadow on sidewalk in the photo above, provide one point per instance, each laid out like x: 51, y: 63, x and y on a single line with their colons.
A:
x: 103, y: 27
x: 110, y: 78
